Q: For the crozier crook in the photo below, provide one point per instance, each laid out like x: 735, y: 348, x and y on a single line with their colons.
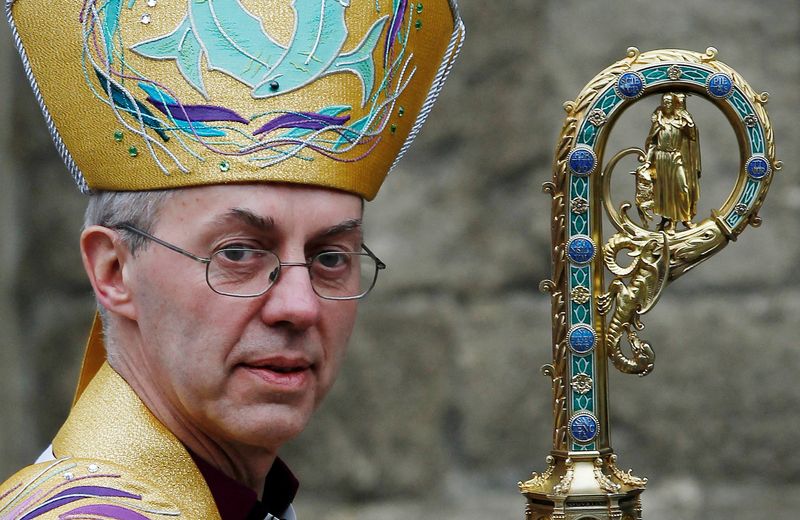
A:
x: 663, y: 239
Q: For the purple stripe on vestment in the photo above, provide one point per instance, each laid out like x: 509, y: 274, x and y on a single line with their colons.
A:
x: 198, y: 112
x: 10, y: 491
x: 307, y: 120
x: 106, y: 511
x: 72, y: 494
x: 97, y: 491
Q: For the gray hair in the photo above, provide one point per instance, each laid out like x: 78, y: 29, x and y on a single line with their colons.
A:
x: 112, y: 208
x: 138, y: 208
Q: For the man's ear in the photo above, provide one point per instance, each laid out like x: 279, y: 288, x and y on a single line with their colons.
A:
x: 104, y: 259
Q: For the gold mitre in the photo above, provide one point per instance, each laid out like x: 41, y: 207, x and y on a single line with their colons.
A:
x: 154, y: 94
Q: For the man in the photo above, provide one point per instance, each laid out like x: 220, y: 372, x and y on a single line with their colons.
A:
x: 227, y: 148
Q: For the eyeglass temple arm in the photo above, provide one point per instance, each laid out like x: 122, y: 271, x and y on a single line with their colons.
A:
x: 378, y: 262
x: 128, y: 227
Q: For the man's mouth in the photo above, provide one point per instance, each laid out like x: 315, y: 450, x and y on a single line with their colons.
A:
x: 282, y: 372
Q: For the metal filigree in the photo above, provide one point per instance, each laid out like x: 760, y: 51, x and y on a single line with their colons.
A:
x: 558, y: 290
x: 539, y: 482
x: 597, y: 117
x: 582, y: 383
x: 674, y: 72
x: 580, y: 294
x: 626, y: 478
x: 605, y: 483
x: 579, y: 205
x: 562, y: 488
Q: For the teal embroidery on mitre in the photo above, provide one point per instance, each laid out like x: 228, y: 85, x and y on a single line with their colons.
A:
x: 126, y: 103
x: 234, y: 42
x: 182, y: 46
x: 110, y: 24
x: 353, y: 131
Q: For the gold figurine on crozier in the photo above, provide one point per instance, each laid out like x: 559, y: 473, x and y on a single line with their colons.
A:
x: 668, y: 183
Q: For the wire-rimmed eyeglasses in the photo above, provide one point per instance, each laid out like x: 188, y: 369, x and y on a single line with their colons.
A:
x: 245, y: 272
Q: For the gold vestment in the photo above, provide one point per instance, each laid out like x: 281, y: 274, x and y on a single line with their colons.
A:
x: 113, y: 459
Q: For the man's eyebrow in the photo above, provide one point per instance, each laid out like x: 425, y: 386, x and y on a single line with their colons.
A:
x: 267, y: 223
x: 342, y: 227
x: 247, y: 217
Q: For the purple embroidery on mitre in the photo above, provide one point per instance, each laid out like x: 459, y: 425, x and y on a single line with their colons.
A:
x: 394, y: 29
x: 72, y: 494
x: 307, y: 120
x: 198, y: 112
x: 105, y: 511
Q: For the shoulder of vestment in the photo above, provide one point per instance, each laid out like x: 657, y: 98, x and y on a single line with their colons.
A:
x: 83, y: 488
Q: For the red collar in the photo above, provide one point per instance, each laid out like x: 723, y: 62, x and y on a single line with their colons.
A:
x: 236, y: 501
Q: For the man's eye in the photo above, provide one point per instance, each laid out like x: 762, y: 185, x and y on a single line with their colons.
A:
x: 236, y: 254
x: 332, y: 260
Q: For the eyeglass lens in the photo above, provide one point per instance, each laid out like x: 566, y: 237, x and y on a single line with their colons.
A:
x: 251, y: 272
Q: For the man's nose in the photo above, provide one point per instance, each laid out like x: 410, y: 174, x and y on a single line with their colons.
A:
x: 291, y: 300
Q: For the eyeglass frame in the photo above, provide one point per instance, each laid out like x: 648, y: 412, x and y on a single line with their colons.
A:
x: 379, y: 265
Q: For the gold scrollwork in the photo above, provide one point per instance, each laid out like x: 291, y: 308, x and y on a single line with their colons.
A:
x: 605, y: 483
x: 562, y: 488
x: 711, y: 55
x: 546, y: 286
x: 557, y: 287
x: 538, y: 482
x: 626, y: 478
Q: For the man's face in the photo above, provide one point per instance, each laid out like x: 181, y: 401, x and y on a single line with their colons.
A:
x: 243, y: 371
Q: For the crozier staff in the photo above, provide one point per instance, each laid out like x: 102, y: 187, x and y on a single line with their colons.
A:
x: 226, y: 149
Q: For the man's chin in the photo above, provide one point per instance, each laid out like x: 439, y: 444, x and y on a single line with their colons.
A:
x: 268, y: 426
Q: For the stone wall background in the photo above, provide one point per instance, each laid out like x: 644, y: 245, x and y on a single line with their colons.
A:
x: 441, y: 408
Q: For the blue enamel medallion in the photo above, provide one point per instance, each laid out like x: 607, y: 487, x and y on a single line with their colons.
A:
x: 581, y: 339
x: 582, y: 161
x: 580, y: 249
x: 757, y: 167
x: 719, y: 85
x: 630, y: 85
x: 583, y: 427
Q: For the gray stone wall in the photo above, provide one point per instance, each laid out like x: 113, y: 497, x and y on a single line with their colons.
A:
x: 441, y: 407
